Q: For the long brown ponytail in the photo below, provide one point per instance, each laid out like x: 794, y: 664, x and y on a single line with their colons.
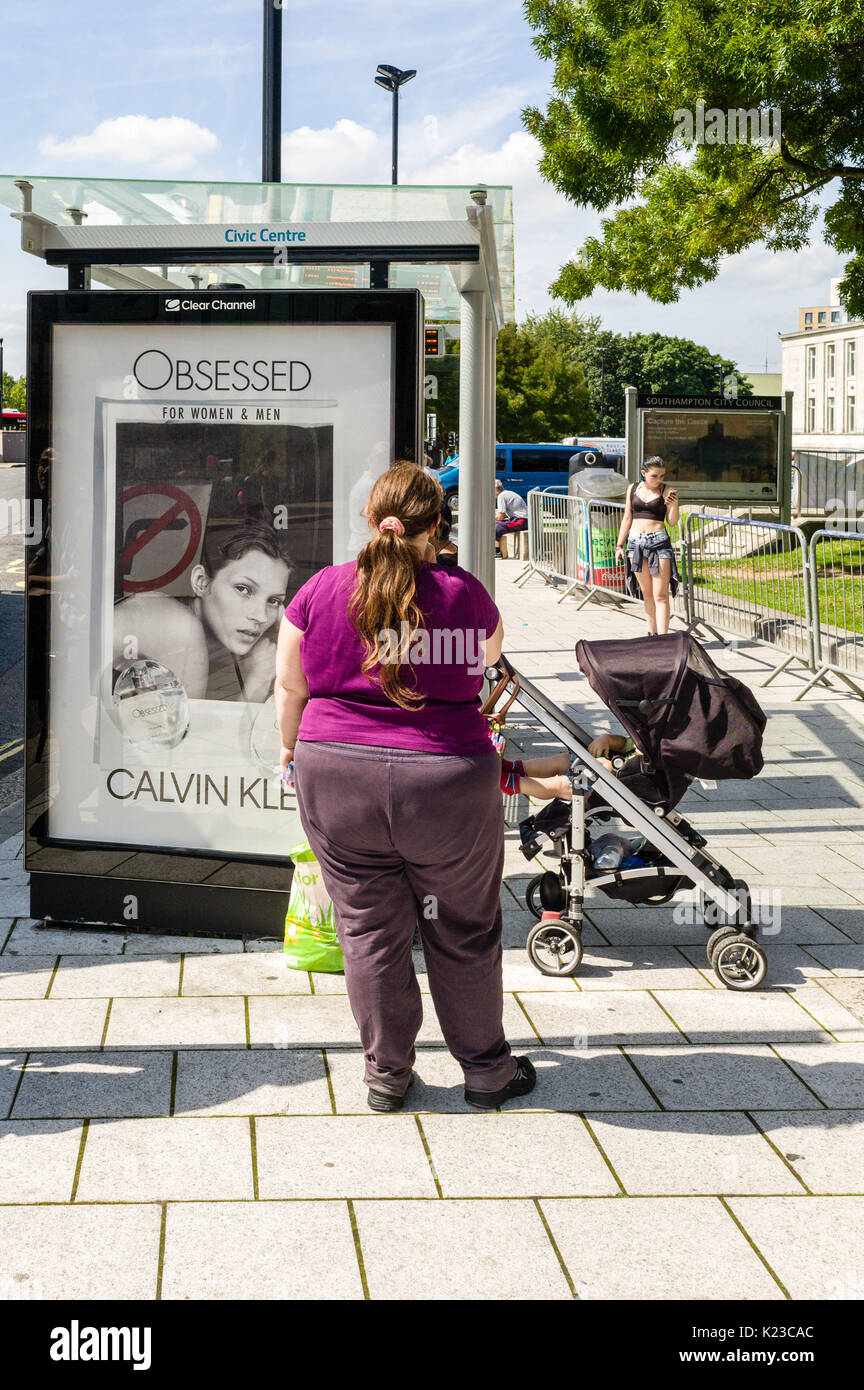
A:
x: 388, y: 568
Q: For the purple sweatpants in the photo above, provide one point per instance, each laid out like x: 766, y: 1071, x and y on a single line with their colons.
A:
x: 403, y: 836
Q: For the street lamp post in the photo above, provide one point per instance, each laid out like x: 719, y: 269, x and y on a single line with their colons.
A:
x: 1, y: 383
x: 602, y: 387
x: 271, y: 112
x: 391, y: 79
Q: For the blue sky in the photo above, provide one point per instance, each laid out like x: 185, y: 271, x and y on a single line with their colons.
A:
x: 152, y: 89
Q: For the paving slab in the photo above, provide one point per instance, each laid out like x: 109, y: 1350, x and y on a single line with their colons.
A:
x: 825, y: 1149
x: 151, y: 944
x: 327, y: 1021
x: 730, y: 1016
x: 37, y: 1160
x: 11, y: 1067
x: 849, y: 993
x: 166, y: 1160
x: 101, y: 977
x: 259, y: 1250
x: 591, y: 1019
x: 728, y: 1078
x: 844, y: 960
x: 81, y: 1253
x: 342, y: 1156
x: 243, y: 974
x: 458, y: 1250
x: 59, y: 1085
x: 516, y: 1155
x: 816, y: 1248
x: 25, y: 977
x: 638, y: 967
x: 657, y: 1248
x: 692, y: 1153
x: 29, y: 937
x: 826, y: 1004
x: 836, y: 1074
x: 254, y: 1082
x: 51, y: 1023
x: 211, y: 1022
x: 849, y: 923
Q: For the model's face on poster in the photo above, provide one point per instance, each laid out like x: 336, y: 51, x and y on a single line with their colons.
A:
x: 242, y: 600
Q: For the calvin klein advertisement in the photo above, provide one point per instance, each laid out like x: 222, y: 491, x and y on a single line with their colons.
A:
x: 201, y: 474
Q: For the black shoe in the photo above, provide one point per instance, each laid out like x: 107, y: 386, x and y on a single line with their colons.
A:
x: 387, y: 1102
x: 524, y: 1081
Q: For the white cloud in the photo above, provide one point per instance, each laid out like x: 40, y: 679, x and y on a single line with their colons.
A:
x: 342, y: 153
x: 167, y: 144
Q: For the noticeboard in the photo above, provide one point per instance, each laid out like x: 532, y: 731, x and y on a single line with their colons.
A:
x: 716, y: 448
x: 196, y: 459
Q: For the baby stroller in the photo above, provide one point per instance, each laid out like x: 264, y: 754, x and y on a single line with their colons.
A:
x: 621, y: 832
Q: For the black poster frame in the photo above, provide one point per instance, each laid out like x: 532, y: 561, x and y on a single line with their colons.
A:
x: 83, y: 883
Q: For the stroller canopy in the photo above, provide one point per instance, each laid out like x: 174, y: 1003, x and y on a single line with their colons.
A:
x: 682, y: 712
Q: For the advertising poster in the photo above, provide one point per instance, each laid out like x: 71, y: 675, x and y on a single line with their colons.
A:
x: 201, y: 473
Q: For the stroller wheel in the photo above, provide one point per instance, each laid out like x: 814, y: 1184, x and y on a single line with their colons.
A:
x: 545, y: 894
x: 532, y: 897
x: 715, y: 938
x: 739, y: 962
x: 554, y: 947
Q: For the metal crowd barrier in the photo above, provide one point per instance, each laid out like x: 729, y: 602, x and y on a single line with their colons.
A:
x: 836, y: 566
x: 830, y: 482
x: 739, y: 578
x: 751, y: 579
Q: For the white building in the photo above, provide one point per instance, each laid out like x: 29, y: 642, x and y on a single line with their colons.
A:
x: 823, y: 365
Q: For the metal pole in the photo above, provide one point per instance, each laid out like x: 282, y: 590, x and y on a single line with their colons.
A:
x: 395, y: 161
x: 271, y: 110
x: 1, y: 383
x: 475, y: 507
x: 602, y: 388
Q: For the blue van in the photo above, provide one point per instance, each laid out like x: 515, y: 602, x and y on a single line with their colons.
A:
x: 522, y: 467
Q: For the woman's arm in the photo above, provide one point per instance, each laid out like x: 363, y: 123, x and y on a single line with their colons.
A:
x: 494, y: 644
x: 291, y: 690
x: 626, y: 521
x: 672, y: 505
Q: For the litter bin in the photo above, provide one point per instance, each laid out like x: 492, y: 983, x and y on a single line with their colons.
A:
x: 591, y: 549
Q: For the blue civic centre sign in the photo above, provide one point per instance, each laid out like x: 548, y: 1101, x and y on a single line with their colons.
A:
x: 236, y: 236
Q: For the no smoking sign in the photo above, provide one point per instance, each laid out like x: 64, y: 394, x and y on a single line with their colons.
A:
x: 163, y: 527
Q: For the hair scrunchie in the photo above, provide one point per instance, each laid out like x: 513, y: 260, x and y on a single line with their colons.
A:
x: 392, y: 523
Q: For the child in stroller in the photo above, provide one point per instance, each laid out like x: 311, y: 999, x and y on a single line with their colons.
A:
x: 687, y: 720
x: 546, y: 778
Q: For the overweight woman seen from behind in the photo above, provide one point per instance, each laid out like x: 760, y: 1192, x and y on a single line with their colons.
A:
x: 378, y: 676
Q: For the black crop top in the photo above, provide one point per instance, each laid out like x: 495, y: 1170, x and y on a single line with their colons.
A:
x: 655, y: 510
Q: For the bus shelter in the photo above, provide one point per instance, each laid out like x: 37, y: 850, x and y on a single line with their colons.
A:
x: 202, y: 435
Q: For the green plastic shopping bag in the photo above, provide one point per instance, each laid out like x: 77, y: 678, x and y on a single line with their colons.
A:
x: 310, y: 932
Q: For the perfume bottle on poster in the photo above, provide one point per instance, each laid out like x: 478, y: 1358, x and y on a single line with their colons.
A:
x: 151, y: 704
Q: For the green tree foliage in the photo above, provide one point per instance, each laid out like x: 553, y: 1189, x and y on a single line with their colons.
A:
x: 610, y: 139
x: 611, y: 361
x: 14, y: 392
x: 541, y: 391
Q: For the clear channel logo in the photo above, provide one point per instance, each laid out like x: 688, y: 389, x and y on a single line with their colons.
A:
x: 173, y: 306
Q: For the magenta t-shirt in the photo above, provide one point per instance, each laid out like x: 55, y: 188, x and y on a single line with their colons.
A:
x: 446, y: 658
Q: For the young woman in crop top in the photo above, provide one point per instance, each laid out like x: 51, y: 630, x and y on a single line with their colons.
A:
x: 644, y: 544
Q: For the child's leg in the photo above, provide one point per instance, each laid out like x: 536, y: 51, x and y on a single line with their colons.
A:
x: 545, y: 788
x: 547, y: 767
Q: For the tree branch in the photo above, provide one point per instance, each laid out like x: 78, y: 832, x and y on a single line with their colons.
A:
x: 834, y: 171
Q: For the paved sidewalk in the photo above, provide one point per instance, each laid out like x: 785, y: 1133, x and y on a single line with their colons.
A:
x: 186, y: 1119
